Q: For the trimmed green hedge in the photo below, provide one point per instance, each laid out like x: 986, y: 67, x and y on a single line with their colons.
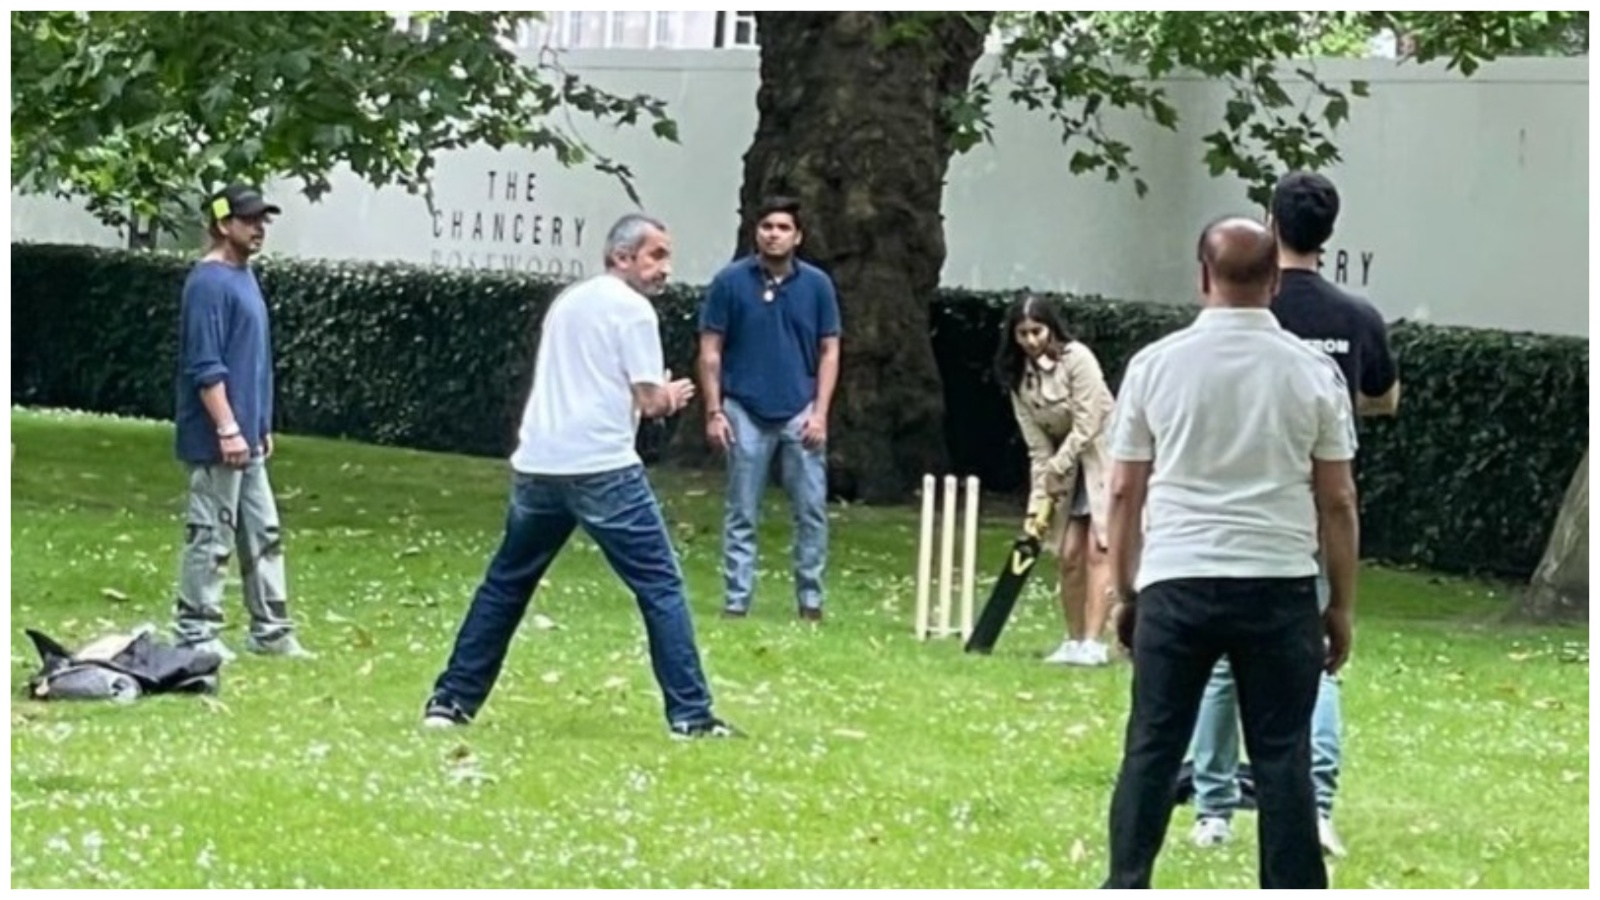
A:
x: 1468, y: 478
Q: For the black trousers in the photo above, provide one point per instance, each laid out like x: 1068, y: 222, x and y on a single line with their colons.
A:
x: 1272, y: 634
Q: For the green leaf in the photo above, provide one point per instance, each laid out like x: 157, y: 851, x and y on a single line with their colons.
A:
x: 1337, y: 110
x: 1083, y: 162
x: 1237, y: 112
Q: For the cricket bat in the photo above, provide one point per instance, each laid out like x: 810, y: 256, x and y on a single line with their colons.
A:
x: 1003, y: 597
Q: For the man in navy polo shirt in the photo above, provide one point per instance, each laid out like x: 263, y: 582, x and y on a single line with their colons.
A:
x: 769, y: 362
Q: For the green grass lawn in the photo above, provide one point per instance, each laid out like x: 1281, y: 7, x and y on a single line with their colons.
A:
x: 874, y: 760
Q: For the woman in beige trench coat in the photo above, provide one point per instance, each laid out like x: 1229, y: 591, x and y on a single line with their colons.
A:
x: 1063, y: 407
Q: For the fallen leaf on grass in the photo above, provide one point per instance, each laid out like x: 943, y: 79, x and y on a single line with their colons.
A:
x: 850, y: 733
x: 544, y: 623
x: 1078, y: 853
x: 114, y: 595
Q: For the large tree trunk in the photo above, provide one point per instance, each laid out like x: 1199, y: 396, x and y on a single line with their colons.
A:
x: 1560, y: 587
x: 855, y: 131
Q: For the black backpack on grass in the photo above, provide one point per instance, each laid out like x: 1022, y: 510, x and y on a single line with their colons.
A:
x: 122, y: 668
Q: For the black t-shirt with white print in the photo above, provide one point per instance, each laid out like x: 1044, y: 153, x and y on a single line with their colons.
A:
x: 1344, y: 326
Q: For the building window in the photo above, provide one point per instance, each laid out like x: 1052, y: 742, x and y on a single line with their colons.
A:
x: 744, y: 29
x: 661, y: 29
x: 574, y: 28
x: 736, y: 29
x: 617, y: 29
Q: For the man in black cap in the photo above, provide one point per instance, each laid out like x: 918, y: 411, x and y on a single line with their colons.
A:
x: 224, y: 436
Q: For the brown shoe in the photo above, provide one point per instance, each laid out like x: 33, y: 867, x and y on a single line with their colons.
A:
x: 808, y: 614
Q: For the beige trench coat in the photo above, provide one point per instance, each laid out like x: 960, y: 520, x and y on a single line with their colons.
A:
x: 1063, y: 408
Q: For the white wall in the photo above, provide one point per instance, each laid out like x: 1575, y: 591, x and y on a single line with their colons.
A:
x: 1466, y: 200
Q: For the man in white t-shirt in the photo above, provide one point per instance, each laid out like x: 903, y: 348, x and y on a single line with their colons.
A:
x: 1232, y: 442
x: 599, y: 367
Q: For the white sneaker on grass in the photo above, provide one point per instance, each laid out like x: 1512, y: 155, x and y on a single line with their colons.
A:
x: 1211, y: 831
x: 1093, y: 653
x: 288, y: 645
x: 1065, y: 654
x: 215, y: 645
x: 1329, y: 838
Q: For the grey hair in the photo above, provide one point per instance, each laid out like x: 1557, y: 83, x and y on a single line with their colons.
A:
x: 628, y: 233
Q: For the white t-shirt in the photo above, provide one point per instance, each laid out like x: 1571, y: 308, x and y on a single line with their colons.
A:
x: 600, y: 337
x: 1232, y: 410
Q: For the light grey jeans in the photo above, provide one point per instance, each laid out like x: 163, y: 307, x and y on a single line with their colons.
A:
x: 1215, y: 746
x: 231, y: 511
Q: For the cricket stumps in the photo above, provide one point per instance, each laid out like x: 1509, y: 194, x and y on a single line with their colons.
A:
x: 941, y: 526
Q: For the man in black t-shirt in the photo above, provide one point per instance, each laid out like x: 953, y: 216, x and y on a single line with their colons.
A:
x: 1344, y: 326
x: 1351, y: 331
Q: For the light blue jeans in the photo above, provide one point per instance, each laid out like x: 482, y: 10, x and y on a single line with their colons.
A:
x: 1215, y: 747
x: 805, y: 479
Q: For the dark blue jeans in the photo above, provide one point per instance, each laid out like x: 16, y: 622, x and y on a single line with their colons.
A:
x: 619, y: 512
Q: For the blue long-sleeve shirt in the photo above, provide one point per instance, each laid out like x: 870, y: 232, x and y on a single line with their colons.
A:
x: 224, y: 336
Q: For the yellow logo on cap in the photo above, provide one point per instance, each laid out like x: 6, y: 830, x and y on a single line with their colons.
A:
x: 220, y: 208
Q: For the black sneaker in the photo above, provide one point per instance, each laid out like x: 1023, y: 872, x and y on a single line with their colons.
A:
x: 705, y: 728
x: 443, y: 713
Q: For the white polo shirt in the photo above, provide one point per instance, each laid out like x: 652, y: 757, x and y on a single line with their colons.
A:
x: 1231, y: 410
x: 599, y: 338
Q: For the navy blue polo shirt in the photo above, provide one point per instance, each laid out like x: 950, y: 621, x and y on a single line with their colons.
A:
x: 770, y: 348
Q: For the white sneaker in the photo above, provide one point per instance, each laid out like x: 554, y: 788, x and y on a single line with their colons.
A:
x: 215, y: 645
x: 1329, y: 838
x: 1211, y: 831
x: 288, y: 646
x: 1066, y: 654
x: 1093, y: 653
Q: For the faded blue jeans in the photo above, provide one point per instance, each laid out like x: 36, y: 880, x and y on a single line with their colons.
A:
x: 805, y: 479
x: 619, y: 512
x: 1215, y: 749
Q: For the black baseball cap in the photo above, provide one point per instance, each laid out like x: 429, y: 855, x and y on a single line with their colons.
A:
x: 238, y: 200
